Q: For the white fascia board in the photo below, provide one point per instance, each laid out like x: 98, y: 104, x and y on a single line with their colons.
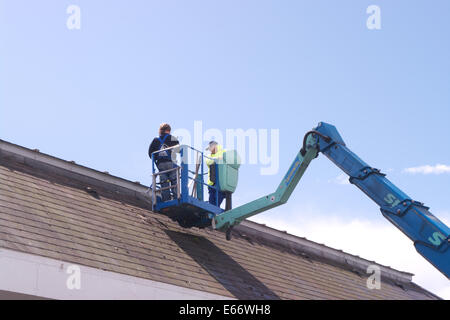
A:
x: 47, y: 278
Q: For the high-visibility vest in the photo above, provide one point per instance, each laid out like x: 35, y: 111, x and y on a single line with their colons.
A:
x: 211, y: 162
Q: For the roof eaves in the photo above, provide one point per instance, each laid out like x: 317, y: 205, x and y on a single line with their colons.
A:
x: 320, y: 251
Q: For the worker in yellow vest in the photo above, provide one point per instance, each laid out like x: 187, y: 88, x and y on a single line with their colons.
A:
x: 215, y: 156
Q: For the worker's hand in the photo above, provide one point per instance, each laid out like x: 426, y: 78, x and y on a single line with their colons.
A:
x: 177, y: 149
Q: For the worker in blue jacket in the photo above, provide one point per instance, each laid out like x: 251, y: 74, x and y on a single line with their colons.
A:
x: 165, y: 159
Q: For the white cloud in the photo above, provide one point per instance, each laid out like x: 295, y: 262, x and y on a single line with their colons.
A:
x: 444, y: 292
x: 340, y: 179
x: 427, y: 169
x: 375, y: 240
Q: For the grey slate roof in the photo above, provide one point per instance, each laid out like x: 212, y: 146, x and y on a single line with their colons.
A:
x: 47, y: 209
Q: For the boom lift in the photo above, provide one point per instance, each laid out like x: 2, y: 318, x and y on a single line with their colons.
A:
x: 413, y: 218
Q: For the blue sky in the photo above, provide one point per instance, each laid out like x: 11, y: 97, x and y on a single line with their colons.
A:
x: 97, y: 95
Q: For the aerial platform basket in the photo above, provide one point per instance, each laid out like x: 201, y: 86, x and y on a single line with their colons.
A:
x: 186, y: 204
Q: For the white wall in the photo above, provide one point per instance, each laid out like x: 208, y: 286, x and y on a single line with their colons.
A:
x: 37, y: 276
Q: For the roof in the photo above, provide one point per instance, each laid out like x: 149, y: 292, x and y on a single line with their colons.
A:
x: 58, y: 209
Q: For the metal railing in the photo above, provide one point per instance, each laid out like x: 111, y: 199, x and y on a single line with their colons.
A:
x: 160, y: 189
x: 191, y: 181
x: 155, y: 188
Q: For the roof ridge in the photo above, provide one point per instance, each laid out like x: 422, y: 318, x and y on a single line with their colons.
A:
x: 70, y: 165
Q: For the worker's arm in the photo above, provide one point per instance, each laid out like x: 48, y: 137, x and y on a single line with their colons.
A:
x: 153, y: 147
x: 173, y: 141
x: 215, y: 158
x: 209, y: 161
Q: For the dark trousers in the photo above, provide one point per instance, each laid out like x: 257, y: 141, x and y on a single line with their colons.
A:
x: 166, y: 179
x: 222, y: 195
x: 212, y: 196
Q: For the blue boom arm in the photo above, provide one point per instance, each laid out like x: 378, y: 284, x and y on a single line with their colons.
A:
x: 429, y: 234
